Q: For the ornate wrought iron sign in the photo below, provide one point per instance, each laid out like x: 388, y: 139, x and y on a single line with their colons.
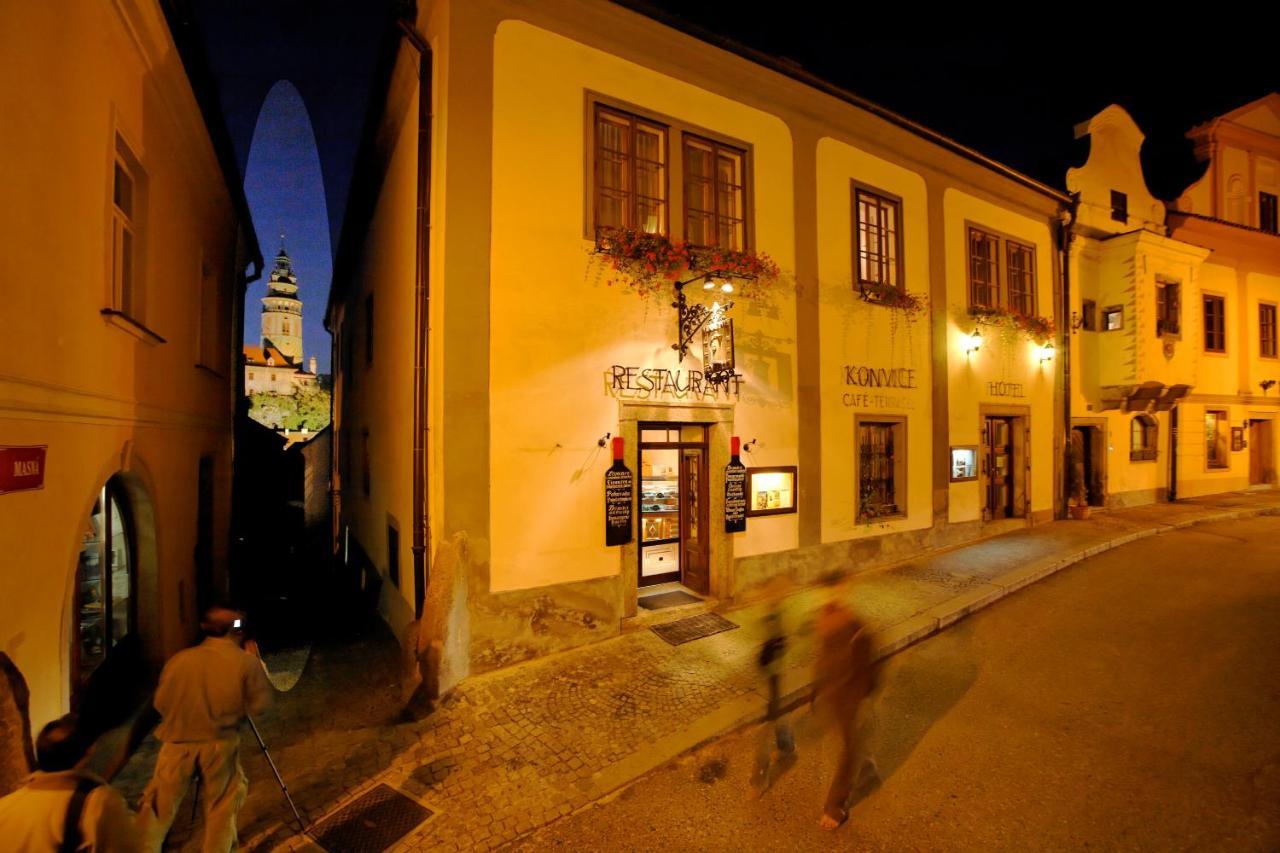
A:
x: 717, y: 334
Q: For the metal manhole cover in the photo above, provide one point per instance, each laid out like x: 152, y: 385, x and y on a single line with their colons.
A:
x: 375, y: 821
x: 693, y: 628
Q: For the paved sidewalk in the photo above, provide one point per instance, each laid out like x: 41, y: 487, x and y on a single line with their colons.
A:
x: 513, y: 750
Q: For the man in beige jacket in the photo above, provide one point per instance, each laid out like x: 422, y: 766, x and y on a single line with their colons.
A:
x: 204, y: 695
x: 61, y: 807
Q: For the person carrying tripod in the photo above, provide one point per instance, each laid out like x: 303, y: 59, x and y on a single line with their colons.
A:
x: 205, y: 693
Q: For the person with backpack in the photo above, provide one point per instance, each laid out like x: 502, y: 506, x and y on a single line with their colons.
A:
x: 846, y: 674
x: 63, y: 809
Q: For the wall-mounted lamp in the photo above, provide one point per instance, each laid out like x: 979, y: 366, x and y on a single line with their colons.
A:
x: 1266, y: 385
x: 1045, y: 351
x: 974, y: 342
x: 600, y: 442
x: 746, y: 448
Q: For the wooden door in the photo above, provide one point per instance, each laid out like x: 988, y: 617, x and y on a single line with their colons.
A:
x: 998, y: 444
x: 1260, y: 465
x: 693, y: 520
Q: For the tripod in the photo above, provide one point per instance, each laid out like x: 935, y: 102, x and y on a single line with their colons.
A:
x: 302, y: 826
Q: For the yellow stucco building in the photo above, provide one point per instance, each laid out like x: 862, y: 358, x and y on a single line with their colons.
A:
x: 894, y: 387
x: 1173, y: 329
x: 126, y: 246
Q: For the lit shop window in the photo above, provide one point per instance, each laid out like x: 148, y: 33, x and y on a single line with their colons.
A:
x: 964, y: 464
x: 1215, y: 434
x: 881, y: 468
x: 771, y: 491
x: 104, y: 593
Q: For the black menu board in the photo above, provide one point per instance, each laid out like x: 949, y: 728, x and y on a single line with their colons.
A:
x: 735, y: 497
x: 618, y: 501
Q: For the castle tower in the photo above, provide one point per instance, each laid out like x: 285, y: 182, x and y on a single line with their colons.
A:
x: 282, y: 310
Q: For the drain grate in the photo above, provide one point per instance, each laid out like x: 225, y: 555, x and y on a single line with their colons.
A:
x: 375, y: 821
x: 674, y: 598
x: 693, y: 628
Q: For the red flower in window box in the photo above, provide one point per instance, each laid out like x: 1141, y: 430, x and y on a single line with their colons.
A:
x: 645, y: 262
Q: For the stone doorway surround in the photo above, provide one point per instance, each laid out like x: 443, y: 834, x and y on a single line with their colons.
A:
x: 1021, y: 441
x: 1097, y: 434
x: 718, y: 419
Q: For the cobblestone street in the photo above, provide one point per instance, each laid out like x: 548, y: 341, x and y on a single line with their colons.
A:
x: 513, y: 750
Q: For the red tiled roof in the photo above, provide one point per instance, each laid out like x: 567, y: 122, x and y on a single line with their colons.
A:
x: 255, y: 356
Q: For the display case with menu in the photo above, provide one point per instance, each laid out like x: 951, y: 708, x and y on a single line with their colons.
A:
x: 659, y: 509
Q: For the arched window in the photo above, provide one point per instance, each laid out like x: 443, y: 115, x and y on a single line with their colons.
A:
x: 105, y: 592
x: 286, y: 327
x: 1142, y: 438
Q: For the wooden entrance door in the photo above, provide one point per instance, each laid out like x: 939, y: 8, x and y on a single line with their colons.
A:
x: 998, y: 448
x: 693, y: 520
x: 674, y: 544
x: 1261, y: 467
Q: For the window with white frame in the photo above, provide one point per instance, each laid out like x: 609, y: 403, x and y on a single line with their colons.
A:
x: 127, y: 185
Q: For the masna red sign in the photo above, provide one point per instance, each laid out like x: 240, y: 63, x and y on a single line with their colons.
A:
x: 22, y: 468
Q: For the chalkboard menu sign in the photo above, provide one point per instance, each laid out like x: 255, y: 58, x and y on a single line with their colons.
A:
x: 618, y: 491
x: 735, y: 496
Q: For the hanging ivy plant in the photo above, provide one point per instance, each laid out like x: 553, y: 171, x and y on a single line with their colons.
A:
x: 648, y: 262
x: 1039, y: 329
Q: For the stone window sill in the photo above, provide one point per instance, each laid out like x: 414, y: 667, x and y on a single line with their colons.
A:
x: 121, y: 320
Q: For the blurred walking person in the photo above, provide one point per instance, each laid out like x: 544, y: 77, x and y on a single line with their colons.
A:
x: 846, y: 674
x: 63, y: 808
x: 775, y: 729
x: 205, y: 693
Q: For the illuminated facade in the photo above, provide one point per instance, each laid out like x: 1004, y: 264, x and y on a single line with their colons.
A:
x: 873, y: 422
x: 118, y: 373
x: 1173, y: 314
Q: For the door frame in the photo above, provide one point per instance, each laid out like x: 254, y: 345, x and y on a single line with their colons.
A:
x: 681, y: 501
x: 1098, y: 454
x: 718, y: 420
x: 1265, y: 450
x: 1020, y: 442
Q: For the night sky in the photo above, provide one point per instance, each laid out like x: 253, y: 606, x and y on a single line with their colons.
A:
x: 1013, y: 87
x: 285, y: 190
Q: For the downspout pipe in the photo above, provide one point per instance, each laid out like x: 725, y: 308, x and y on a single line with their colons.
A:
x: 421, y: 317
x: 1066, y: 233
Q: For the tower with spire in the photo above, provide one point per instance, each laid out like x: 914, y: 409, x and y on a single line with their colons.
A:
x: 276, y: 366
x: 282, y: 310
